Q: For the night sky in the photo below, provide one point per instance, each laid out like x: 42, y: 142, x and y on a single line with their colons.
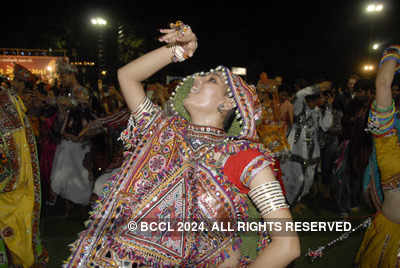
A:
x: 294, y: 39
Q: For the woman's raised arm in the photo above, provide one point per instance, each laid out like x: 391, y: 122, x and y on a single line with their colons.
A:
x: 181, y: 43
x: 389, y: 64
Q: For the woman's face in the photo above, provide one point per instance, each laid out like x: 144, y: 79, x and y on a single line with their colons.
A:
x: 206, y: 94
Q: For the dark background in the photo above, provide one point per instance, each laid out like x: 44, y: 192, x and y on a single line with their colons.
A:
x: 293, y: 39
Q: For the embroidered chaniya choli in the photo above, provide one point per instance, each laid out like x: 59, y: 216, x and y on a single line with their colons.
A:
x: 176, y: 172
x: 381, y: 243
x: 20, y: 193
x: 271, y: 129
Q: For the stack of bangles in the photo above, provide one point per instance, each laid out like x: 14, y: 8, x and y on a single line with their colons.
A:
x: 268, y: 197
x: 380, y: 120
x: 392, y: 53
x: 178, y: 51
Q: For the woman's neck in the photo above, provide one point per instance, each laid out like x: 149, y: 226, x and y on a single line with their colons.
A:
x: 207, y: 121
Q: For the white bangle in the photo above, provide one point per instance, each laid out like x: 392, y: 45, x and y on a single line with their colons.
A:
x: 268, y: 197
x: 178, y: 53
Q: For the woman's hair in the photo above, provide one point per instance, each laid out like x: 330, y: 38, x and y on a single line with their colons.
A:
x: 74, y: 124
x: 284, y: 95
x: 349, y: 115
x: 360, y: 146
x: 76, y: 116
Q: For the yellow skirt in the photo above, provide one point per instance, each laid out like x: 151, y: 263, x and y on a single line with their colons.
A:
x: 380, y: 247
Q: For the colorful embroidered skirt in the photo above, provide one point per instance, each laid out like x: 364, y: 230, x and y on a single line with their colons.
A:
x: 274, y: 138
x: 380, y: 247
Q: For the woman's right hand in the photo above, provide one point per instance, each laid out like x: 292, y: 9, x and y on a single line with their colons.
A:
x: 181, y: 35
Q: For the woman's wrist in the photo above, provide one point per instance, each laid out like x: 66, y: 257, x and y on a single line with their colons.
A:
x: 391, y: 53
x: 178, y: 53
x: 182, y: 42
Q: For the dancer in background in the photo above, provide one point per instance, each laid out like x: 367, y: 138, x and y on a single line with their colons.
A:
x: 20, y: 193
x: 380, y: 246
x: 69, y: 177
x: 272, y: 129
x: 310, y: 117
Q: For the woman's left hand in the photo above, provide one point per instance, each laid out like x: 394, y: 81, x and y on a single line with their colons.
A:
x: 182, y: 35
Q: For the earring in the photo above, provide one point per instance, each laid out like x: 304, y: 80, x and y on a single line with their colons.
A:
x: 220, y: 108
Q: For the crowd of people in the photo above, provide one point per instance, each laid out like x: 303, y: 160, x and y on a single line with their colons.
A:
x: 77, y: 144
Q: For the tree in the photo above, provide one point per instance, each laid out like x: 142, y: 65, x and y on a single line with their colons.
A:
x: 130, y: 46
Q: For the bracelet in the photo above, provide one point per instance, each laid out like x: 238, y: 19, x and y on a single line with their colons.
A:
x: 178, y: 53
x: 143, y: 109
x: 268, y: 197
x: 391, y: 53
x: 390, y: 56
x: 392, y: 49
x: 388, y: 109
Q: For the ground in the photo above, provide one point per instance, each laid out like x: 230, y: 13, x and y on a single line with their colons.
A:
x: 58, y: 232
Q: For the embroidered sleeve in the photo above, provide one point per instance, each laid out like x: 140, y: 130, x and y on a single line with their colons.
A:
x: 381, y: 121
x: 252, y: 168
x: 139, y: 122
x: 242, y: 167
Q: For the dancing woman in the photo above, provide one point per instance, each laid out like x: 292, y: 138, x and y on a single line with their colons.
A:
x: 20, y: 191
x: 69, y: 178
x: 198, y: 166
x: 380, y: 246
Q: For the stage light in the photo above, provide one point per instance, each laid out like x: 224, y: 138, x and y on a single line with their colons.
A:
x: 374, y: 8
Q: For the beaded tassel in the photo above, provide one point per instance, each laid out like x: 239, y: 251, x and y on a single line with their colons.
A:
x: 318, y: 253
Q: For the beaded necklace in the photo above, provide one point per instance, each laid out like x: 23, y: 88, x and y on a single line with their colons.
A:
x: 198, y: 136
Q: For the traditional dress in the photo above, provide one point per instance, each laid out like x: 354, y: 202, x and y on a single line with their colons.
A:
x: 20, y: 197
x: 271, y: 129
x: 381, y: 244
x: 103, y: 179
x: 298, y: 172
x: 174, y: 172
x: 69, y: 178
